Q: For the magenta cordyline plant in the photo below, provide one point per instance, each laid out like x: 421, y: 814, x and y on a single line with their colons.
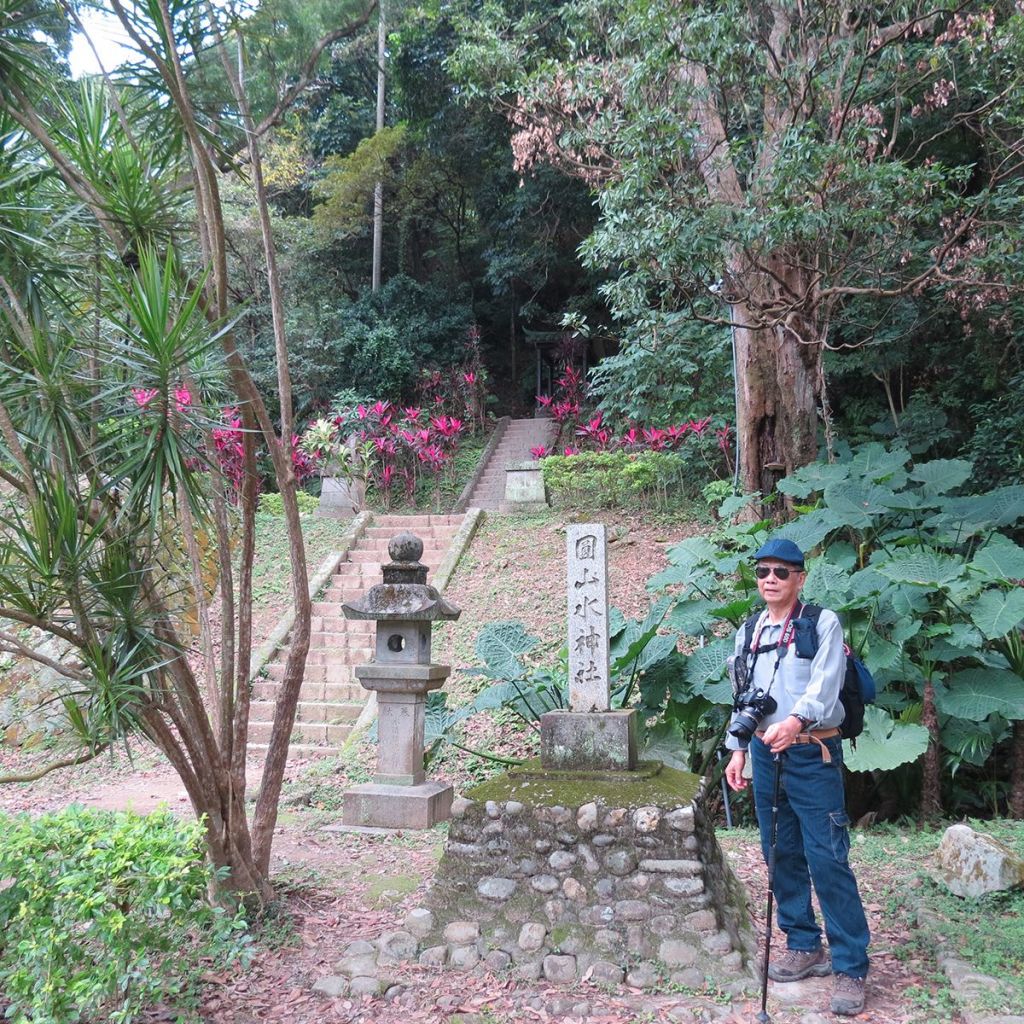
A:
x: 399, y: 446
x: 595, y: 435
x: 228, y: 448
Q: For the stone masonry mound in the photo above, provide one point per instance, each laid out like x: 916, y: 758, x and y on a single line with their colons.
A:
x: 613, y: 878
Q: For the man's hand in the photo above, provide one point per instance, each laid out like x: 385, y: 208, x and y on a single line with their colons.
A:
x: 734, y: 770
x: 781, y: 735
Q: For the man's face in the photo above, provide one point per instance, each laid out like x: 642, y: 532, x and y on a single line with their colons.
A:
x: 779, y: 592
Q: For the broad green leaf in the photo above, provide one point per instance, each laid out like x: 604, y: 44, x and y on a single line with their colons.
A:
x: 855, y: 504
x: 616, y: 622
x: 718, y: 693
x: 943, y: 651
x: 1000, y: 559
x: 811, y: 478
x: 996, y: 612
x: 941, y: 476
x: 731, y: 506
x: 665, y: 677
x: 879, y: 654
x: 885, y: 743
x: 923, y: 568
x: 666, y: 742
x: 976, y: 693
x: 826, y: 584
x: 499, y: 646
x: 876, y: 462
x: 692, y: 552
x: 867, y: 583
x: 811, y: 529
x: 970, y: 741
x: 977, y: 513
x: 736, y: 611
x: 692, y: 617
x: 706, y: 664
x: 904, y: 630
x: 842, y: 554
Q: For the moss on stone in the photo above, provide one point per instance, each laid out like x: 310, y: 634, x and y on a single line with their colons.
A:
x: 667, y: 788
x: 384, y: 889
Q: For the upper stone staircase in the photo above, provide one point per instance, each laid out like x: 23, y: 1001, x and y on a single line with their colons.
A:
x: 515, y: 444
x: 331, y: 698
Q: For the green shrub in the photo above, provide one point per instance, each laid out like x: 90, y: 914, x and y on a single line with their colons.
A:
x: 273, y: 504
x: 997, y: 447
x: 608, y: 479
x: 101, y: 914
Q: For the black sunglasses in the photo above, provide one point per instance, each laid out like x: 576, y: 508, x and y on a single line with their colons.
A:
x: 762, y: 572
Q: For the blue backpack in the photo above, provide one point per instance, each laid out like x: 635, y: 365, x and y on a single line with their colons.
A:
x: 858, y: 687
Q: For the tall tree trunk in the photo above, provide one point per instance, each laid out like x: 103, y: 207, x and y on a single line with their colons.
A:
x: 778, y: 376
x: 378, y: 191
x: 1015, y: 803
x: 931, y: 785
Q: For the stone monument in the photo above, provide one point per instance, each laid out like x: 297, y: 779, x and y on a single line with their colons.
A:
x: 402, y: 675
x: 589, y: 736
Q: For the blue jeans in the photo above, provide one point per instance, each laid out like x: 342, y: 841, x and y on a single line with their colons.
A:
x: 812, y: 844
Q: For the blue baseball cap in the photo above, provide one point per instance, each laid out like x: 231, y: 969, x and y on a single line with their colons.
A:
x: 782, y: 549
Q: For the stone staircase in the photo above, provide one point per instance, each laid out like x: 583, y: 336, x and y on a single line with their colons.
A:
x: 331, y: 698
x: 515, y: 444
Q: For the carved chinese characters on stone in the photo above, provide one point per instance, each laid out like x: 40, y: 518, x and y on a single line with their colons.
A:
x: 588, y: 617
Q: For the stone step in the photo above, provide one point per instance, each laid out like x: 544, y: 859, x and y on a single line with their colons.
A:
x: 371, y: 556
x: 315, y: 734
x: 316, y: 675
x: 347, y: 693
x: 337, y: 623
x: 407, y: 522
x: 313, y: 712
x: 385, y: 533
x: 302, y: 749
x: 336, y: 665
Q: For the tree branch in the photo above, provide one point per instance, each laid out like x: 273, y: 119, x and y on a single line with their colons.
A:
x: 56, y: 766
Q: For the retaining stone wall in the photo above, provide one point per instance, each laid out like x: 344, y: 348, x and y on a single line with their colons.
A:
x: 641, y: 895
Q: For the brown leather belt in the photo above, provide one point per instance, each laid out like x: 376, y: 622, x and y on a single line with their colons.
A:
x: 812, y: 736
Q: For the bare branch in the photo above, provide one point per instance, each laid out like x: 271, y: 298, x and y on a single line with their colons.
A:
x: 12, y: 645
x: 55, y: 766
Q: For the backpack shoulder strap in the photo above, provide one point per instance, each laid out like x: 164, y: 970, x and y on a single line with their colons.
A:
x: 812, y: 612
x: 748, y: 632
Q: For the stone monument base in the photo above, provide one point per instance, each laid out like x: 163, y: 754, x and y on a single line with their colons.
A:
x: 524, y: 488
x: 378, y: 805
x: 588, y: 741
x: 613, y: 876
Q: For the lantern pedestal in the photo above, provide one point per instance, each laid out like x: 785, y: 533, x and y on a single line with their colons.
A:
x: 378, y: 805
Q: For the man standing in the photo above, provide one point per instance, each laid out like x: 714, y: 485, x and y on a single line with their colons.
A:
x: 812, y: 833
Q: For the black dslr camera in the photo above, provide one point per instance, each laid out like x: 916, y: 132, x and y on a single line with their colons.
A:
x: 751, y: 704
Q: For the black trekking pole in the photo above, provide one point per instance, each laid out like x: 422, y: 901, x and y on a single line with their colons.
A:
x: 763, y: 1017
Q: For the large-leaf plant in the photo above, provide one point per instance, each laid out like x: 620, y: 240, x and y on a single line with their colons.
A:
x: 927, y: 582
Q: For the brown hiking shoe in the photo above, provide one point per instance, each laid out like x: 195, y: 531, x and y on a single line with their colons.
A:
x: 796, y: 964
x: 847, y: 995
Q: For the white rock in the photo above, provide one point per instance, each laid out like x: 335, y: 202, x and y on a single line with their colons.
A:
x: 972, y: 864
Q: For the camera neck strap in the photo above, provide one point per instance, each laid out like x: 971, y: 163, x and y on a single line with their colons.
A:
x: 785, y: 639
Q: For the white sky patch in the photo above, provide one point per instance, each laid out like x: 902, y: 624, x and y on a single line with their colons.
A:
x: 110, y: 40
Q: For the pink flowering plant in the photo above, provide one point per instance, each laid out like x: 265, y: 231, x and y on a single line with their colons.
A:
x: 393, y: 449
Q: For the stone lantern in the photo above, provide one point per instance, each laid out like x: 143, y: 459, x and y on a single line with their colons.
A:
x: 401, y: 674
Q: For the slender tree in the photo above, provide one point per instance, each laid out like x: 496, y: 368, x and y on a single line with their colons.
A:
x: 101, y: 541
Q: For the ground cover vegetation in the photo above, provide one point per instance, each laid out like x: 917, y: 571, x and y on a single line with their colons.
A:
x: 927, y: 581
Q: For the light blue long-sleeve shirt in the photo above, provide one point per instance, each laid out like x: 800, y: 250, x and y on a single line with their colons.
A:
x: 808, y: 687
